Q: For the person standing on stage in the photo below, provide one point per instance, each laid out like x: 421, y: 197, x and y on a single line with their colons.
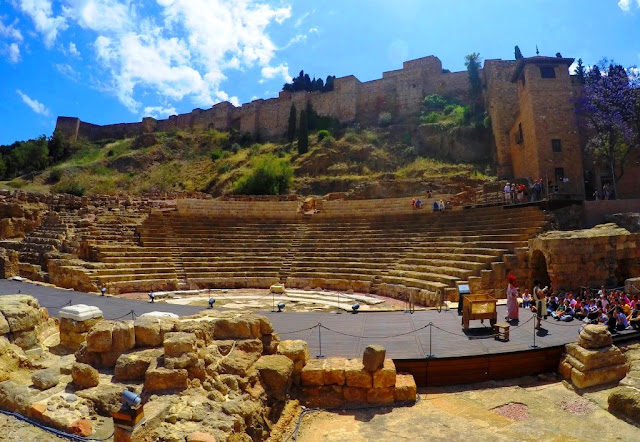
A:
x: 539, y: 298
x: 512, y: 299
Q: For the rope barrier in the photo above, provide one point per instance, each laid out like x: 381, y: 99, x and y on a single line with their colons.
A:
x: 298, y: 331
x: 375, y: 337
x: 68, y: 303
x: 132, y: 313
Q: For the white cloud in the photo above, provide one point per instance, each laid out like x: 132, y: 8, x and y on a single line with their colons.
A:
x: 67, y: 71
x: 41, y: 12
x: 101, y: 15
x: 14, y: 53
x: 625, y: 5
x: 303, y: 17
x: 73, y: 50
x: 185, y: 56
x: 35, y: 105
x: 297, y: 39
x: 313, y: 30
x: 159, y: 111
x: 10, y: 31
x: 282, y: 70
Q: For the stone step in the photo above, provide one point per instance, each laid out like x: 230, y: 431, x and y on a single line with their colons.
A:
x: 448, y: 280
x: 134, y: 277
x: 447, y: 263
x: 414, y: 283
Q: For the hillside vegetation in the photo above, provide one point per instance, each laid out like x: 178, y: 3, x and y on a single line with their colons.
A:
x: 230, y: 163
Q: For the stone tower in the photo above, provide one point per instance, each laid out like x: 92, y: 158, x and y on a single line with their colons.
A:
x: 544, y: 139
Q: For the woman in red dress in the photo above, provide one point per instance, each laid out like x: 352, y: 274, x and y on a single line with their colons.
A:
x: 512, y: 299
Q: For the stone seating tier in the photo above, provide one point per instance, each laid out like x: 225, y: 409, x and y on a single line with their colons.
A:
x: 417, y: 253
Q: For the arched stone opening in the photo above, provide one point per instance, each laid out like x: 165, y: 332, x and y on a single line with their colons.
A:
x: 539, y: 267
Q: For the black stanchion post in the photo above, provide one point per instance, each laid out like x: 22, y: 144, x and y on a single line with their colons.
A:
x: 320, y: 355
x: 534, y: 332
x: 430, y: 355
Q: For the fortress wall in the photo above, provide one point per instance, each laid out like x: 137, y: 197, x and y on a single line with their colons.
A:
x: 454, y: 85
x: 68, y: 126
x: 399, y: 92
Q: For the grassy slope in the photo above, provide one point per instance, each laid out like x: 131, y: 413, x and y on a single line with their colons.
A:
x: 183, y: 161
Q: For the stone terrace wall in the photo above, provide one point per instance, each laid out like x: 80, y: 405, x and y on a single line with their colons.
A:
x: 399, y: 92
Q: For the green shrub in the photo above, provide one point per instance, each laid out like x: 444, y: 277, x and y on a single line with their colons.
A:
x: 224, y: 167
x: 235, y: 148
x: 322, y: 134
x: 406, y: 138
x: 385, y: 119
x: 69, y: 186
x: 328, y: 141
x: 351, y: 137
x: 486, y: 122
x: 435, y: 102
x: 269, y: 175
x: 55, y: 175
x: 216, y: 154
x: 449, y: 108
x: 431, y: 117
x: 17, y: 183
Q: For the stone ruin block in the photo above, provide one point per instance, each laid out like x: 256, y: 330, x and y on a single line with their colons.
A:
x: 177, y: 344
x: 21, y: 319
x: 380, y: 396
x: 373, y: 357
x: 275, y: 374
x: 334, y: 371
x: 356, y: 375
x: 326, y: 396
x: 593, y: 360
x: 162, y: 379
x: 312, y: 374
x: 296, y: 350
x: 406, y: 389
x: 385, y: 377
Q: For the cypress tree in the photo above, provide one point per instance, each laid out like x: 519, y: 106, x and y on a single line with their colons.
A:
x: 580, y: 71
x: 303, y: 134
x: 291, y: 128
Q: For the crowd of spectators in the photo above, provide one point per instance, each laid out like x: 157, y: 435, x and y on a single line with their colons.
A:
x: 613, y: 308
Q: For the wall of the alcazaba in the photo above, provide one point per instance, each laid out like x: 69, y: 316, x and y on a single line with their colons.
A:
x: 399, y: 92
x: 501, y: 102
x: 68, y: 126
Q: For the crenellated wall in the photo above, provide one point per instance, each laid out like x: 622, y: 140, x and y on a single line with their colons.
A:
x: 399, y: 92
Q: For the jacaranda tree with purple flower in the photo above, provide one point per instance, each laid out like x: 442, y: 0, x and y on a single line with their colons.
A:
x: 609, y: 107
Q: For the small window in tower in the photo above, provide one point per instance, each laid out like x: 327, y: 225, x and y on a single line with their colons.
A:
x: 559, y: 172
x: 556, y: 145
x: 519, y: 137
x: 547, y: 72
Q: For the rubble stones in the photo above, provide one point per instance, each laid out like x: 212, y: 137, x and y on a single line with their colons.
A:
x: 161, y: 379
x: 373, y: 357
x: 297, y: 351
x: 99, y: 338
x: 45, y: 379
x: 275, y: 372
x: 595, y: 336
x: 84, y: 376
x: 123, y: 336
x: 178, y: 343
x: 150, y: 330
x: 131, y: 367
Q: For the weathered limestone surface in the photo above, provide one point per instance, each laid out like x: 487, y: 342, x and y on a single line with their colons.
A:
x: 20, y: 318
x: 599, y: 363
x: 161, y: 379
x: 45, y: 379
x: 275, y: 372
x: 373, y: 357
x: 625, y: 402
x: 84, y: 376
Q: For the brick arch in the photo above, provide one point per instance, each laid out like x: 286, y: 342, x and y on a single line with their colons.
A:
x: 539, y: 267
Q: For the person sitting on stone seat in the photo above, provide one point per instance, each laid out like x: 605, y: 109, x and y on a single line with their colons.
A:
x: 634, y: 317
x: 621, y: 320
x: 436, y: 206
x: 569, y: 314
x: 441, y: 205
x: 418, y: 204
x: 562, y: 308
x: 611, y: 321
x: 526, y: 299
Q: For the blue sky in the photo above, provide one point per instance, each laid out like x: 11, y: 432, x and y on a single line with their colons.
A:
x: 111, y: 61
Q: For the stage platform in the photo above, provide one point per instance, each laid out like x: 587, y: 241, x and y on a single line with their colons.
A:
x: 429, y: 344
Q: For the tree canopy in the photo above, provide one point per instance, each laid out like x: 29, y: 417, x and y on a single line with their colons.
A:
x: 304, y: 83
x: 610, y: 106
